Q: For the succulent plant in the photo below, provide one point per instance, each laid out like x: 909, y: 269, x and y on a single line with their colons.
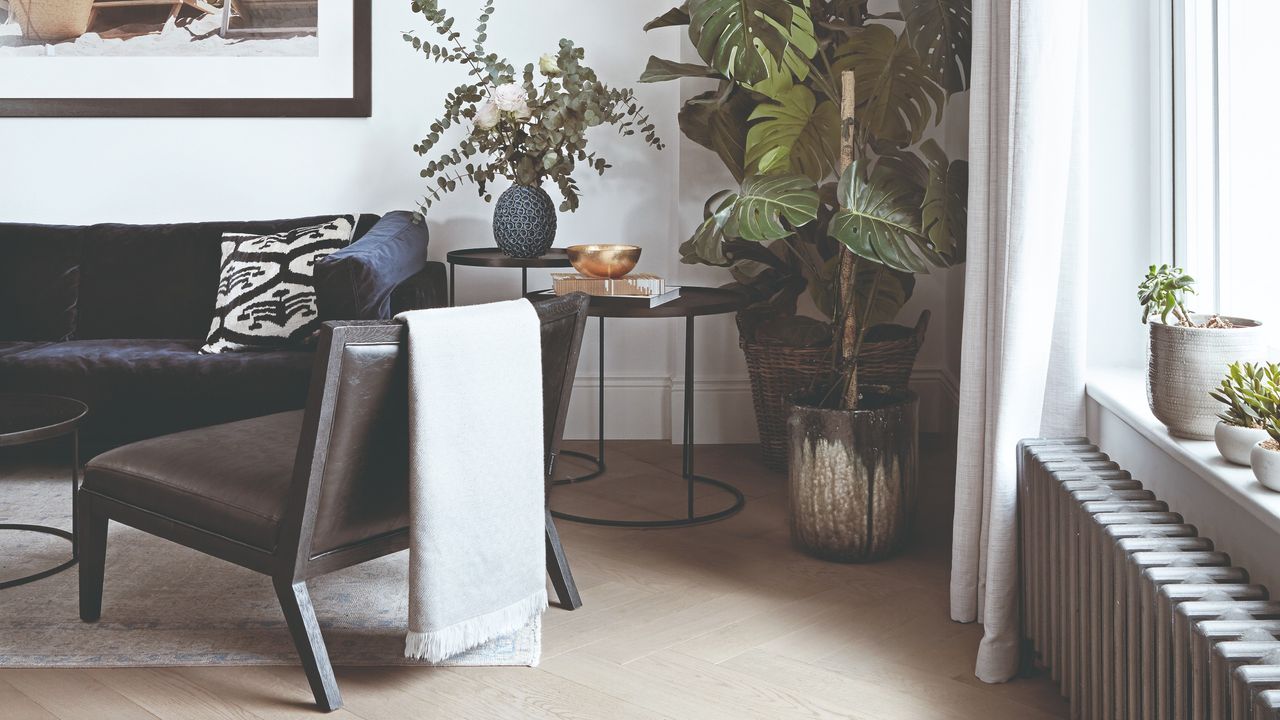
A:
x: 1162, y: 292
x: 1262, y: 397
x: 1242, y: 383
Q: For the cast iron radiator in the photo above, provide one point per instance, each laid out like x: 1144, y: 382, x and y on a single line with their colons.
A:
x: 1126, y: 607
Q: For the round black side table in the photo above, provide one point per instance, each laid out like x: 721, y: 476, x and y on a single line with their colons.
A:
x: 492, y: 257
x: 26, y: 419
x: 693, y: 302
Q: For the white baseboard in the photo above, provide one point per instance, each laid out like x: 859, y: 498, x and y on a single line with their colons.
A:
x: 652, y: 407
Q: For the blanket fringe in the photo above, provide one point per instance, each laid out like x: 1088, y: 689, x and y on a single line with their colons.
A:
x: 438, y: 645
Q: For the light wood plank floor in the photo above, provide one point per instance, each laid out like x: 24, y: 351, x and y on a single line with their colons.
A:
x: 718, y: 621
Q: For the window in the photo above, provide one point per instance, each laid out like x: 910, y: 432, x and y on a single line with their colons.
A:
x: 1226, y: 154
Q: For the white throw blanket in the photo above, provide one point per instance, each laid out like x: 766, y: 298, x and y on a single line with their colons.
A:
x: 477, y: 563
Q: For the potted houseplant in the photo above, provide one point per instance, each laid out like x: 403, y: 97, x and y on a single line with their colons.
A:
x: 1240, y: 425
x: 775, y: 113
x: 1265, y: 456
x: 528, y: 127
x: 820, y: 113
x: 1188, y: 352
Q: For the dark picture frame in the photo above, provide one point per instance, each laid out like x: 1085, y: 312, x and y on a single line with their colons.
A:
x: 360, y: 104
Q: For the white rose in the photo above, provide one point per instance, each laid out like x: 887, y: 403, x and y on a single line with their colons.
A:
x: 522, y: 112
x: 510, y: 97
x: 487, y: 116
x: 548, y: 65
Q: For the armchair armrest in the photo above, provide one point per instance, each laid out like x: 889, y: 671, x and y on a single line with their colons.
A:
x: 428, y: 289
x: 357, y: 282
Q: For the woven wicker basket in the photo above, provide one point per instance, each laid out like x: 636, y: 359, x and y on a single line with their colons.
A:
x: 778, y: 371
x: 51, y: 20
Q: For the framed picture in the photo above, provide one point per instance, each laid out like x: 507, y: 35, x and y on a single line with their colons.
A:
x: 185, y: 58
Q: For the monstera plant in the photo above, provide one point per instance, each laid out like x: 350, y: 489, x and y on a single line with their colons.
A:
x: 852, y: 235
x: 821, y: 111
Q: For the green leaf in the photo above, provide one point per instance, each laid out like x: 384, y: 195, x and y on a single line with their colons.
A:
x: 941, y: 32
x: 892, y: 292
x: 659, y: 70
x: 766, y: 201
x: 795, y: 136
x: 879, y: 219
x: 945, y: 214
x: 707, y: 244
x: 897, y: 96
x: 674, y: 17
x: 734, y: 36
x: 719, y: 124
x: 802, y: 46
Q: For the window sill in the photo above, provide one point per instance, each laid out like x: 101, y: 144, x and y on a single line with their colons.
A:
x: 1122, y: 392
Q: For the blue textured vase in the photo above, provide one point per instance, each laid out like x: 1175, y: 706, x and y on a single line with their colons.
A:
x: 524, y: 222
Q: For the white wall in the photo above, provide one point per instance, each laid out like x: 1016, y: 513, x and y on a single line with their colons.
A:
x: 162, y: 170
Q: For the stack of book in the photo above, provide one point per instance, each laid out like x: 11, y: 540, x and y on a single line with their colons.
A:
x: 637, y: 287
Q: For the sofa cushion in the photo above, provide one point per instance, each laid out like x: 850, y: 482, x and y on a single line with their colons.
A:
x: 39, y: 281
x: 230, y: 479
x: 356, y: 283
x: 143, y: 388
x: 266, y: 291
x: 160, y: 281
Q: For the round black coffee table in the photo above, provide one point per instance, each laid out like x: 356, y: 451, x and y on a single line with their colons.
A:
x: 693, y: 302
x: 26, y: 419
x: 492, y: 257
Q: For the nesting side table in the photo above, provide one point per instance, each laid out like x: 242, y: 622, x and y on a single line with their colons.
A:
x: 693, y: 302
x: 492, y: 257
x: 26, y: 419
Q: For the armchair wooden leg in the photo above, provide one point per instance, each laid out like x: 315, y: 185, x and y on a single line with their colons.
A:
x: 558, y: 567
x: 301, y: 617
x: 91, y: 546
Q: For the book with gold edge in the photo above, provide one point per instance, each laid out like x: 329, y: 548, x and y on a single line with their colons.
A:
x: 634, y: 285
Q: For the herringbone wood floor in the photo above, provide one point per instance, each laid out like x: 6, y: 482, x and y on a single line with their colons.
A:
x: 719, y: 621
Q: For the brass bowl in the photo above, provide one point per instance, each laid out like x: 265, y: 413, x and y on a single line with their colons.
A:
x: 603, y: 261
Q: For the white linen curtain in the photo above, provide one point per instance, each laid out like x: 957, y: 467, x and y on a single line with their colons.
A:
x: 1022, y: 361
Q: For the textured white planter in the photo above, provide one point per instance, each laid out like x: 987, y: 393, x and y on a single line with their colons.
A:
x: 1236, y: 443
x: 1185, y: 363
x: 1266, y: 466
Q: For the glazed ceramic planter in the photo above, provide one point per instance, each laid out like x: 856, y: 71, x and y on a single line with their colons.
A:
x: 1236, y: 443
x: 852, y: 481
x: 1185, y: 363
x: 1266, y: 466
x: 524, y: 221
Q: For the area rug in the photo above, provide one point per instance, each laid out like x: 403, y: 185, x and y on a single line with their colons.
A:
x: 165, y: 605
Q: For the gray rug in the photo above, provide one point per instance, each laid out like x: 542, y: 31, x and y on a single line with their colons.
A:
x: 165, y: 605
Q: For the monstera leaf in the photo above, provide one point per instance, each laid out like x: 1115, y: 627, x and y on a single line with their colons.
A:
x: 879, y: 219
x: 941, y: 32
x: 892, y: 291
x: 732, y: 36
x: 796, y: 135
x: 719, y: 123
x: 674, y: 17
x: 802, y: 45
x: 706, y: 247
x: 945, y: 214
x: 659, y: 70
x: 897, y: 95
x: 766, y: 201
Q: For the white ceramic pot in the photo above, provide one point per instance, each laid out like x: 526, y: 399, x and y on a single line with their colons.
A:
x: 1266, y: 466
x: 1185, y: 363
x: 1236, y: 443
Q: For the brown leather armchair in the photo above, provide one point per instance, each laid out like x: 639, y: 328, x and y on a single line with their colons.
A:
x: 300, y: 494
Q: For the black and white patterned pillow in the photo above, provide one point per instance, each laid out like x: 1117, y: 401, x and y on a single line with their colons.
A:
x: 266, y: 290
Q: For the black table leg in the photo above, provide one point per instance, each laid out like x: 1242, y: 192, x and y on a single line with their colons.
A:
x: 58, y: 532
x: 598, y: 460
x: 524, y: 281
x: 452, y: 285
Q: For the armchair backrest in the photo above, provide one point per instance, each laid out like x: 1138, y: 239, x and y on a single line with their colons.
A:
x: 349, y: 499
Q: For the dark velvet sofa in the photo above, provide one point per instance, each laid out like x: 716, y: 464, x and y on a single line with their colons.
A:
x: 113, y: 315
